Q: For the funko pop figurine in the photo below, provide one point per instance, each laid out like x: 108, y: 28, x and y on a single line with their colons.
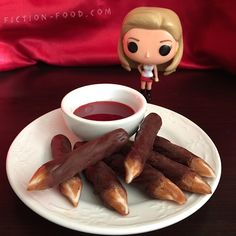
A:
x: 151, y: 40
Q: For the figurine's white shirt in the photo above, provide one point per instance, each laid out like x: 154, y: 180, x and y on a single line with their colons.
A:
x: 147, y: 71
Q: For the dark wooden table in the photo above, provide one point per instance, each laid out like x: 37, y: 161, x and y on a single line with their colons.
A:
x: 208, y: 98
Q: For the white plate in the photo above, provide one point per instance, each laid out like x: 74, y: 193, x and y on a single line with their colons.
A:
x: 31, y: 149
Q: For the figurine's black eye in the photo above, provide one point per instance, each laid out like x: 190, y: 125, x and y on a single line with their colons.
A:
x: 132, y: 47
x: 164, y: 50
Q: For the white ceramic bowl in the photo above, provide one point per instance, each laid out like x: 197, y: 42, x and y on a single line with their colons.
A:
x: 89, y: 129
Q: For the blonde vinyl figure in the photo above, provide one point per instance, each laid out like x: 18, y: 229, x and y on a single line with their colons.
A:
x: 151, y: 40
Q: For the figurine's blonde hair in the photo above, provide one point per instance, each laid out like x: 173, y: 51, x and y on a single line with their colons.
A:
x: 152, y: 18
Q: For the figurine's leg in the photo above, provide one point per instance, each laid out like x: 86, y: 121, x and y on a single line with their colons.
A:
x: 148, y: 92
x: 143, y: 92
x: 148, y: 96
x: 143, y: 88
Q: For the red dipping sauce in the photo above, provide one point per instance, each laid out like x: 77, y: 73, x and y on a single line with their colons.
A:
x: 104, y: 111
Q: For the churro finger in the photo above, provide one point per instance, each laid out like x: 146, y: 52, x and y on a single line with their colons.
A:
x: 71, y: 188
x: 107, y: 185
x: 79, y: 159
x: 181, y: 175
x: 60, y: 145
x: 143, y: 144
x: 78, y: 144
x: 156, y: 185
x: 151, y: 181
x: 183, y: 156
x: 37, y: 181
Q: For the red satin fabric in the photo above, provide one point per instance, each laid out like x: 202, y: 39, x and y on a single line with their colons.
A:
x: 74, y: 33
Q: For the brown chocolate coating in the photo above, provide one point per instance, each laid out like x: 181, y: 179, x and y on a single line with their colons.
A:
x: 171, y: 169
x: 148, y: 176
x: 116, y: 162
x: 145, y: 179
x: 183, y: 156
x: 146, y: 135
x: 143, y: 144
x: 71, y: 189
x: 88, y: 154
x: 107, y: 185
x: 101, y: 176
x: 151, y: 180
x: 60, y: 145
x: 78, y: 144
x: 173, y: 151
x: 181, y: 175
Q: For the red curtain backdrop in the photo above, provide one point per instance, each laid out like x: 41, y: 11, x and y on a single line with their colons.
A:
x: 81, y: 32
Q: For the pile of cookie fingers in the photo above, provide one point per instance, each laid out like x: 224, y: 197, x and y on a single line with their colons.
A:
x: 162, y: 169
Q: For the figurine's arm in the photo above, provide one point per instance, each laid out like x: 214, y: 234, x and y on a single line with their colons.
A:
x: 140, y: 68
x: 156, y: 74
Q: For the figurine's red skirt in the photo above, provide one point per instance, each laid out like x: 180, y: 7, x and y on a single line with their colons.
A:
x: 146, y: 79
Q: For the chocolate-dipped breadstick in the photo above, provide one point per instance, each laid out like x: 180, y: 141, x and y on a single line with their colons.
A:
x: 152, y: 181
x: 183, y: 156
x: 143, y: 144
x: 78, y: 144
x: 181, y: 175
x: 156, y: 185
x: 60, y: 145
x: 107, y: 185
x: 37, y: 181
x: 78, y: 160
x: 71, y: 188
